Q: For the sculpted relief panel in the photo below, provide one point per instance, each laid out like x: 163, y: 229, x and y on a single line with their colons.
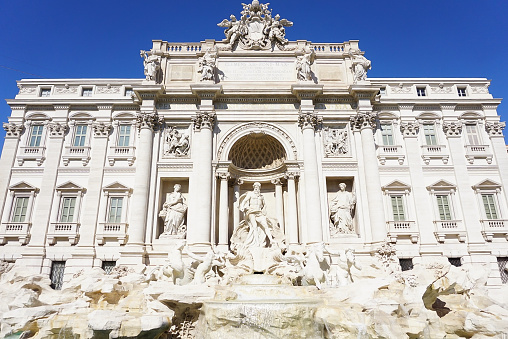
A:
x: 336, y: 141
x: 176, y: 142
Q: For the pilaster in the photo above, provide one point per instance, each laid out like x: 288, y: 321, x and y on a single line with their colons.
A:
x: 495, y: 131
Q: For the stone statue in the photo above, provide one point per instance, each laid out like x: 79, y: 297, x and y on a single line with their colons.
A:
x: 256, y: 230
x: 152, y: 64
x: 360, y: 66
x: 342, y: 275
x: 341, y: 210
x: 176, y: 143
x: 276, y: 29
x: 173, y: 212
x: 335, y: 142
x: 234, y: 29
x: 207, y: 65
x: 317, y: 265
x: 303, y: 63
x: 211, y: 259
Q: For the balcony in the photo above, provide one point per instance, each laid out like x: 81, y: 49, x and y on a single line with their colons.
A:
x: 116, y: 231
x: 434, y: 152
x: 19, y: 231
x: 80, y: 153
x: 35, y: 153
x: 478, y: 152
x: 390, y: 152
x: 402, y: 229
x: 63, y: 230
x: 449, y: 229
x: 125, y: 153
x: 494, y: 227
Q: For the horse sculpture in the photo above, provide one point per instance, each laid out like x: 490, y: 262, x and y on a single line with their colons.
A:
x: 316, y: 266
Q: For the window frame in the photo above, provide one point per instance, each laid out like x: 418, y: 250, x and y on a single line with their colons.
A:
x: 119, y: 134
x: 88, y: 90
x: 63, y: 191
x: 83, y: 137
x: 478, y: 135
x: 421, y: 91
x: 45, y: 91
x: 444, y: 188
x: 462, y: 91
x: 116, y: 190
x: 20, y: 190
x: 424, y: 134
x: 491, y: 188
x: 40, y: 127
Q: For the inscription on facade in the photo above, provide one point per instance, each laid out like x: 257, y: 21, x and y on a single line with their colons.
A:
x: 257, y: 71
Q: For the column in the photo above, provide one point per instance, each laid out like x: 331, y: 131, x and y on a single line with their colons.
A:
x: 7, y: 159
x: 199, y: 215
x: 292, y: 210
x: 146, y: 123
x: 279, y: 203
x: 308, y: 121
x: 223, y: 211
x: 236, y: 205
x: 495, y: 131
x: 365, y: 124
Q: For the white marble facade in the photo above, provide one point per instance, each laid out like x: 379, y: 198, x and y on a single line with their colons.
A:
x: 89, y: 168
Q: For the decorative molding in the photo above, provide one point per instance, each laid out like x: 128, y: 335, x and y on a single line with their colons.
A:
x: 101, y: 129
x: 440, y: 89
x: 495, y: 129
x: 13, y: 130
x: 339, y: 165
x: 452, y: 129
x: 108, y: 89
x: 66, y: 89
x: 148, y: 120
x: 203, y: 120
x: 57, y: 130
x: 480, y: 89
x: 401, y: 89
x: 363, y: 120
x: 309, y: 120
x: 26, y: 90
x: 410, y: 129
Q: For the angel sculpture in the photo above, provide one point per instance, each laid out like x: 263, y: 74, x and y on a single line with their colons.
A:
x: 152, y: 64
x: 234, y: 29
x: 276, y: 29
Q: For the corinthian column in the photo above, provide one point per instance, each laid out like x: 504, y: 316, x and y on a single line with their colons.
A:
x: 200, y: 185
x: 223, y: 211
x: 495, y: 131
x: 146, y: 123
x: 308, y: 121
x: 365, y: 124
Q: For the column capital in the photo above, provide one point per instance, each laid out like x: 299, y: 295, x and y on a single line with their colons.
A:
x: 203, y: 120
x: 277, y: 181
x: 148, y: 120
x: 57, y: 129
x: 410, y: 129
x: 291, y: 175
x: 363, y: 120
x: 309, y: 120
x: 495, y: 129
x: 223, y: 175
x: 452, y: 128
x: 13, y: 130
x: 101, y: 129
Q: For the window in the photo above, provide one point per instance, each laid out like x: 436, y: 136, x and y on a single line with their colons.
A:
x: 124, y: 134
x: 115, y: 209
x: 406, y: 264
x: 68, y: 209
x: 420, y: 91
x: 398, y: 208
x: 45, y: 92
x: 473, y: 137
x: 387, y: 134
x: 429, y: 131
x: 80, y: 135
x: 489, y: 204
x: 129, y: 92
x: 20, y: 208
x: 35, y: 135
x: 455, y: 262
x: 87, y: 92
x: 501, y: 263
x: 57, y: 274
x: 108, y: 266
x: 461, y: 91
x: 443, y: 206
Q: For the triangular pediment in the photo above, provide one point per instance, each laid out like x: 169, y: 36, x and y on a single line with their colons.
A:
x: 22, y: 186
x: 69, y: 186
x: 441, y: 185
x: 487, y: 184
x: 396, y: 185
x: 116, y: 187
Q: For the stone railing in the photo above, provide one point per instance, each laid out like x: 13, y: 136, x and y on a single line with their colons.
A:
x: 15, y: 230
x: 80, y: 153
x: 434, y: 151
x: 329, y: 47
x: 493, y: 227
x: 31, y: 153
x: 385, y: 152
x: 478, y: 152
x: 398, y: 229
x: 449, y: 228
x: 63, y: 230
x: 108, y: 230
x: 182, y: 48
x: 121, y: 153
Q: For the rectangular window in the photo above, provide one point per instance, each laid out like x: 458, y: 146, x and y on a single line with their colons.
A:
x: 430, y: 134
x: 489, y: 204
x: 387, y: 133
x: 421, y: 91
x: 68, y: 208
x: 124, y: 135
x: 455, y: 262
x: 45, y: 92
x: 398, y: 208
x: 115, y: 209
x: 80, y: 135
x: 36, y: 135
x: 57, y: 274
x: 87, y: 92
x: 501, y: 263
x: 461, y: 91
x: 129, y: 92
x: 472, y: 134
x: 443, y: 206
x: 20, y: 207
x: 108, y: 266
x: 406, y: 264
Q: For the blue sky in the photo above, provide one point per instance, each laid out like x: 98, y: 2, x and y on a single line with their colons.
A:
x: 102, y: 39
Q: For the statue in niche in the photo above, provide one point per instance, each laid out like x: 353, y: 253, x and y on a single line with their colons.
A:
x: 176, y: 143
x: 335, y: 142
x: 152, y: 64
x: 256, y: 230
x: 303, y: 63
x: 173, y: 212
x: 341, y: 212
x: 360, y: 66
x: 207, y: 64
